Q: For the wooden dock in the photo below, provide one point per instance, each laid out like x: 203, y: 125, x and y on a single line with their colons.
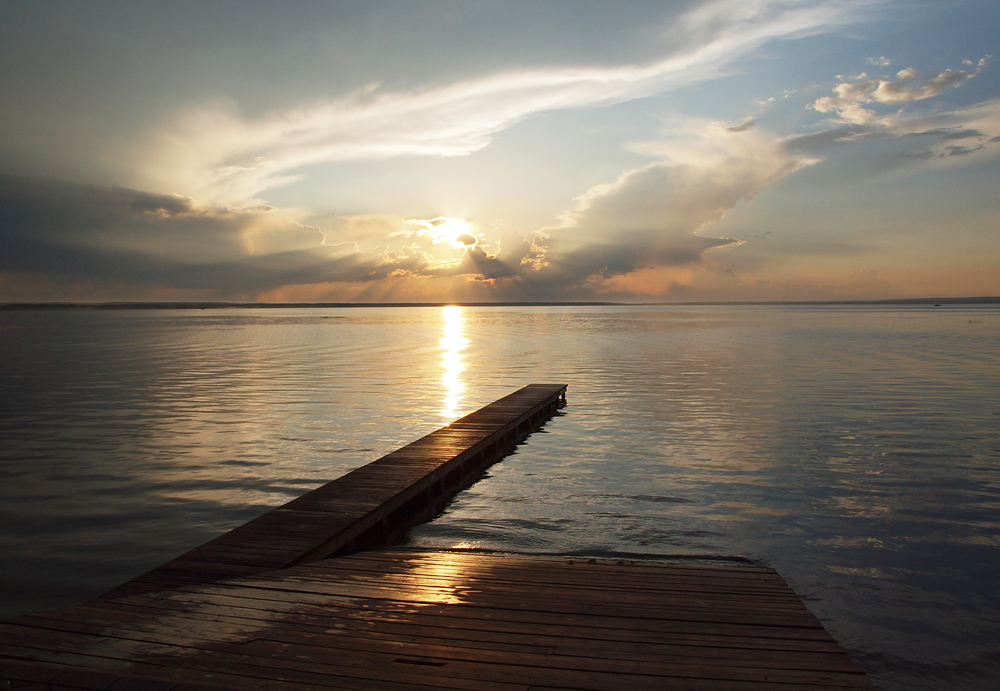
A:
x: 368, y: 506
x: 262, y: 607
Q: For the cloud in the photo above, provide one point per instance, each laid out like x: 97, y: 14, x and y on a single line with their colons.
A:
x: 649, y: 218
x: 850, y: 102
x: 963, y: 150
x: 216, y: 155
x: 133, y: 243
x: 653, y: 218
x: 979, y: 122
x: 911, y: 86
x: 86, y: 232
x: 858, y: 121
x: 111, y: 219
x: 514, y: 257
x: 749, y: 124
x: 881, y: 61
x: 949, y: 133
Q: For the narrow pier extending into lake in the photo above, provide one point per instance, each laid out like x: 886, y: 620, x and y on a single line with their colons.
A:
x: 308, y: 597
x: 368, y: 505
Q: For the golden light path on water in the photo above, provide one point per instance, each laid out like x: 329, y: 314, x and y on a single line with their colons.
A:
x: 452, y: 345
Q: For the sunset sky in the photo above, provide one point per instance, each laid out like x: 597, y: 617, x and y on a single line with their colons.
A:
x: 491, y: 151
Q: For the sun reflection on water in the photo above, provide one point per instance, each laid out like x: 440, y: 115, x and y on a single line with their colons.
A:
x: 452, y: 345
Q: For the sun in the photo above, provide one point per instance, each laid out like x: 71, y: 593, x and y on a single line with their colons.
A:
x: 454, y: 231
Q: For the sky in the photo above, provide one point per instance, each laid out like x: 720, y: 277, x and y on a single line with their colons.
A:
x: 704, y: 150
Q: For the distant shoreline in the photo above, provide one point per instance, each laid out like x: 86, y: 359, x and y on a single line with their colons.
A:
x: 24, y: 306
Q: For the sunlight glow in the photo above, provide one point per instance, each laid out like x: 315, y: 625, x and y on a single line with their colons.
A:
x: 454, y: 231
x: 452, y: 345
x: 443, y: 580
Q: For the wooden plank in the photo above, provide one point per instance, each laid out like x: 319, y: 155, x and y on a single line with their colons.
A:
x: 125, y: 625
x: 732, y: 610
x: 320, y: 666
x: 483, y: 618
x: 453, y: 668
x: 328, y: 616
x: 362, y: 613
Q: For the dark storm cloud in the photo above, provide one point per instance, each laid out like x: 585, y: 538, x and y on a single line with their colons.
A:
x: 133, y: 237
x: 596, y: 261
x: 87, y: 217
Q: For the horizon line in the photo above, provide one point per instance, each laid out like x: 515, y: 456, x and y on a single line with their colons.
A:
x: 211, y: 304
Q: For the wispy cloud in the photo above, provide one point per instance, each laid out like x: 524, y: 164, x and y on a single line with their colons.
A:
x: 215, y: 155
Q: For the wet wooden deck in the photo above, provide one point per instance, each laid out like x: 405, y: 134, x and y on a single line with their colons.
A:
x: 259, y: 608
x: 399, y: 619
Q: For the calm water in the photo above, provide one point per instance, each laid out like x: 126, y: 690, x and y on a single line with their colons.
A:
x: 857, y: 450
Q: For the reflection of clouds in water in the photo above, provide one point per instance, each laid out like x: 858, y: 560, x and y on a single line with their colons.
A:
x: 452, y: 345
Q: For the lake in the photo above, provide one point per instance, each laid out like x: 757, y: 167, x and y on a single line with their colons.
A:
x: 856, y: 449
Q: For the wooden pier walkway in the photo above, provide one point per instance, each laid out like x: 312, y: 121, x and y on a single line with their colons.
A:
x: 369, y: 505
x: 404, y: 620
